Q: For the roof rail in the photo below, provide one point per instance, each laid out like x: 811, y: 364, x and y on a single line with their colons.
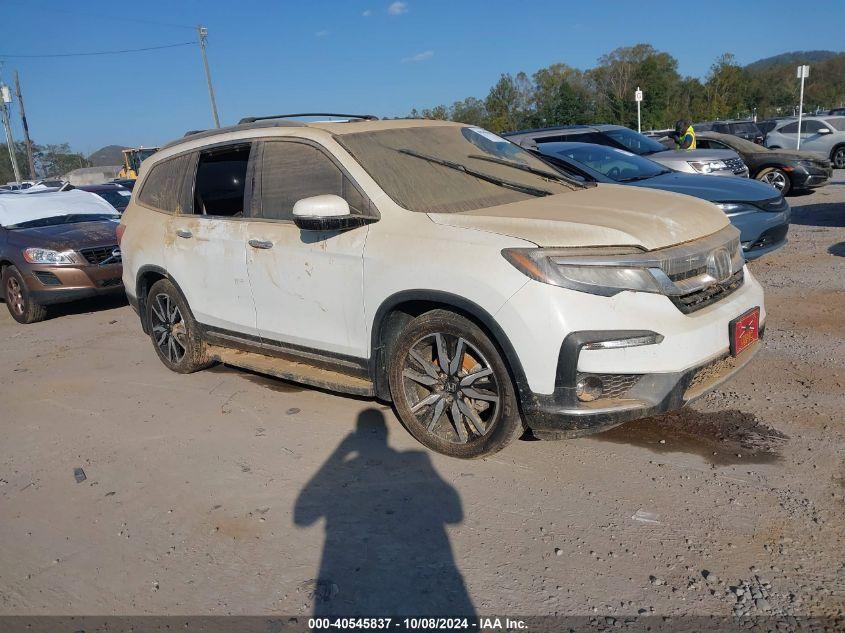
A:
x: 192, y: 132
x: 253, y: 119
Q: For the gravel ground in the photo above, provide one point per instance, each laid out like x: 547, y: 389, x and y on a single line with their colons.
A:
x: 225, y: 492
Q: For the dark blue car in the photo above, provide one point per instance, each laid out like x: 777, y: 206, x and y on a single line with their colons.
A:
x: 756, y: 209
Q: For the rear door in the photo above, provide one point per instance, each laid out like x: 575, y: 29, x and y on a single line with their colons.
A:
x: 307, y: 285
x: 206, y: 248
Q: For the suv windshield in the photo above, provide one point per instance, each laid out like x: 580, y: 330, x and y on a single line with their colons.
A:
x: 72, y: 218
x: 616, y: 164
x: 451, y: 169
x: 635, y: 142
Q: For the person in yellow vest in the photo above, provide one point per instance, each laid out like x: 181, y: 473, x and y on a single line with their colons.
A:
x: 683, y: 135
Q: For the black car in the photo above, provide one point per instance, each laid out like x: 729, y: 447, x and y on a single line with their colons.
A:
x: 785, y: 170
x: 837, y: 112
x: 116, y: 195
x: 743, y: 129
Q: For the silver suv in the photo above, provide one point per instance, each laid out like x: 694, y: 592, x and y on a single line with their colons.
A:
x: 822, y: 135
x: 713, y: 162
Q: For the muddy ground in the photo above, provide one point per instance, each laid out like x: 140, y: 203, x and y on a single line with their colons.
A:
x: 224, y: 492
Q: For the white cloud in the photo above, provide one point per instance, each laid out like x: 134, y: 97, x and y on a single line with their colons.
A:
x: 398, y: 8
x: 322, y: 33
x: 419, y: 57
x: 367, y: 13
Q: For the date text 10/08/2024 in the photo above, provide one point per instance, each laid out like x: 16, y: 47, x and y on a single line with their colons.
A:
x: 417, y: 623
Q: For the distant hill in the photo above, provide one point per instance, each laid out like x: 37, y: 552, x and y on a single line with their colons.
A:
x: 108, y: 155
x: 794, y: 57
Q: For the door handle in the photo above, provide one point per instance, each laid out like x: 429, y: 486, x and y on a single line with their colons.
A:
x: 261, y: 244
x: 185, y: 233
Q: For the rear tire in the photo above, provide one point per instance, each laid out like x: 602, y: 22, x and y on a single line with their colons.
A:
x: 18, y: 300
x: 451, y: 388
x: 174, y: 332
x: 777, y: 178
x: 837, y: 157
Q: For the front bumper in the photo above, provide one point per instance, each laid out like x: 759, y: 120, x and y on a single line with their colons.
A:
x: 48, y: 285
x: 762, y: 232
x: 561, y: 415
x: 810, y: 177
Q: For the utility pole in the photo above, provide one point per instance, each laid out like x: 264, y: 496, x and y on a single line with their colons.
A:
x: 202, y: 32
x: 25, y: 125
x: 10, y: 141
x: 803, y: 73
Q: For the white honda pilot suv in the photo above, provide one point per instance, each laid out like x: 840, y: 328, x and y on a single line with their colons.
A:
x: 438, y: 266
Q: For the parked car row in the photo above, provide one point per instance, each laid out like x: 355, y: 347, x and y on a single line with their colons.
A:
x: 556, y: 281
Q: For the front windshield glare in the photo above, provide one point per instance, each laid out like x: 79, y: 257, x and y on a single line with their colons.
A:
x: 616, y: 164
x: 635, y: 142
x: 421, y: 168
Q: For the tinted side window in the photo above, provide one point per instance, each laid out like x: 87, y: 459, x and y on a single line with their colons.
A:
x: 291, y: 171
x: 163, y: 184
x: 812, y: 127
x: 838, y: 124
x: 792, y: 128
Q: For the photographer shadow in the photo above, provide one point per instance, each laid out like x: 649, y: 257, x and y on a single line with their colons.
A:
x: 386, y: 550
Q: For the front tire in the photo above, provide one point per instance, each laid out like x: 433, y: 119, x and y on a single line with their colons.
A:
x: 777, y: 178
x: 173, y: 331
x: 451, y: 388
x: 18, y: 300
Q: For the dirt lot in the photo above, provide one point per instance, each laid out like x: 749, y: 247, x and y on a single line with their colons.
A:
x: 225, y: 492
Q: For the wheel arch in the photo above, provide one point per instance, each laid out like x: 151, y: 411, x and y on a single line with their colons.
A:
x: 144, y: 280
x: 398, y: 309
x: 835, y: 149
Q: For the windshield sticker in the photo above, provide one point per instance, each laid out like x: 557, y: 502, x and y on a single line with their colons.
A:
x: 126, y: 194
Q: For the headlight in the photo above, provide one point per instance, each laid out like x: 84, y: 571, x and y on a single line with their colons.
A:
x: 736, y: 208
x: 550, y: 266
x: 707, y: 166
x: 47, y: 256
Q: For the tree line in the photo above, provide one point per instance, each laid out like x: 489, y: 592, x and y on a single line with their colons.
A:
x: 561, y: 94
x: 50, y: 161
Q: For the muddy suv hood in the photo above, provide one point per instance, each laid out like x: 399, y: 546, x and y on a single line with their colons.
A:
x: 605, y: 215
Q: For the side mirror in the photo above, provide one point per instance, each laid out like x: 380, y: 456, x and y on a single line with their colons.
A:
x: 823, y: 130
x: 324, y: 213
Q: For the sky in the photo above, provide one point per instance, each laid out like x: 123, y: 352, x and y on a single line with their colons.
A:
x: 378, y: 57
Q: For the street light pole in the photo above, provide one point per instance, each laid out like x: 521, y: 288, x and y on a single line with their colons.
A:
x: 202, y: 32
x: 803, y: 73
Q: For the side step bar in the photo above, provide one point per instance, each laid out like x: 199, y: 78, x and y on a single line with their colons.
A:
x: 291, y: 370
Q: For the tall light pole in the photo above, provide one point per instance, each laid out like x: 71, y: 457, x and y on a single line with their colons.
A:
x: 638, y: 97
x: 202, y: 32
x: 802, y: 74
x: 10, y: 141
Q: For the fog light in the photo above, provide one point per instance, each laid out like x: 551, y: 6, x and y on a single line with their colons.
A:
x: 589, y: 388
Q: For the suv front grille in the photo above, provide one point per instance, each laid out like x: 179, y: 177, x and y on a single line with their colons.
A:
x: 735, y: 165
x: 102, y: 254
x: 708, y: 296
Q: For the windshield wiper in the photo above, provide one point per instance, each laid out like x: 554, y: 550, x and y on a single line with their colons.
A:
x: 507, y: 184
x: 637, y: 178
x: 531, y: 170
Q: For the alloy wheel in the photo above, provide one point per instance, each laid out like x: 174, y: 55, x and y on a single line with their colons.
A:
x: 839, y: 158
x: 169, y: 328
x: 14, y: 295
x: 451, y: 388
x: 776, y: 179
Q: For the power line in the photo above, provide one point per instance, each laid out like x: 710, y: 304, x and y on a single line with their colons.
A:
x: 118, y: 52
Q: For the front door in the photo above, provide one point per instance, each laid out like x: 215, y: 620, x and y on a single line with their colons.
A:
x: 307, y: 285
x: 206, y: 252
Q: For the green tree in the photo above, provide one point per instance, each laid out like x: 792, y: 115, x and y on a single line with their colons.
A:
x: 502, y: 105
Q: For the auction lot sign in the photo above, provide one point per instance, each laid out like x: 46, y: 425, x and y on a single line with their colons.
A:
x: 532, y: 624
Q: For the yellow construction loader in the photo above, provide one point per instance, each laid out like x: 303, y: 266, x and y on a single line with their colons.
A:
x: 132, y: 159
